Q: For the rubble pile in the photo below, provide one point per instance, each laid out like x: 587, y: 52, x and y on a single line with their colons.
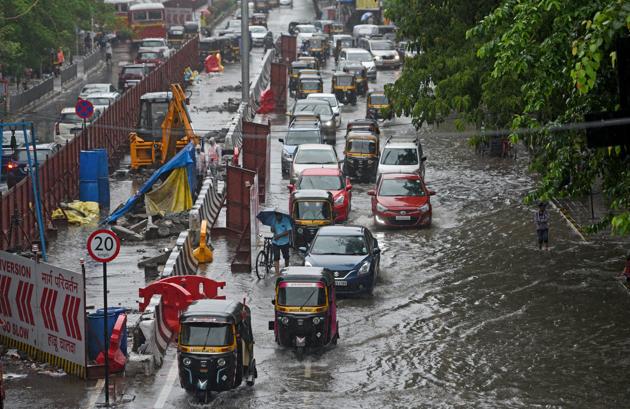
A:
x: 137, y: 227
x: 230, y: 106
x: 229, y: 88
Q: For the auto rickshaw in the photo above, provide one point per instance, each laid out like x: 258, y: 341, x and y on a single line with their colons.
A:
x: 376, y: 102
x: 191, y: 29
x: 294, y: 74
x: 336, y: 28
x: 311, y: 210
x: 305, y: 309
x: 309, y: 84
x: 215, y: 347
x: 258, y: 19
x: 360, y: 72
x: 344, y: 86
x: 368, y: 125
x: 345, y: 42
x: 311, y: 62
x: 317, y: 49
x: 361, y: 156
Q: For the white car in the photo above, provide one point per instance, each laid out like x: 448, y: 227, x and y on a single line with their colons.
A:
x: 384, y: 53
x: 313, y: 155
x: 157, y: 45
x: 286, y: 3
x: 258, y: 35
x: 334, y: 104
x: 364, y: 30
x: 401, y: 157
x: 102, y: 100
x: 306, y: 29
x: 89, y: 89
x: 362, y: 56
x: 69, y: 124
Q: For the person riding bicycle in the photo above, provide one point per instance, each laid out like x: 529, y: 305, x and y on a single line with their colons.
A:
x: 281, y: 229
x: 108, y: 52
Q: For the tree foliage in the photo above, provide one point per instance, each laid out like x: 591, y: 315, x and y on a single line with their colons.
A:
x: 30, y: 28
x: 531, y: 64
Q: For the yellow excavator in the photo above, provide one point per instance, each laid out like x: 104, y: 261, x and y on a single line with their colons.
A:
x: 163, y: 129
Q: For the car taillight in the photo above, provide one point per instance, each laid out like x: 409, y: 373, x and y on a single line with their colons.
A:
x: 11, y: 165
x: 57, y: 128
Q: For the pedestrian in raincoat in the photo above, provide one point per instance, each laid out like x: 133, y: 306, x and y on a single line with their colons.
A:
x: 541, y: 220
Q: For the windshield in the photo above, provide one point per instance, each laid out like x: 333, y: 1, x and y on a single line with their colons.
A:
x: 315, y: 157
x: 70, y: 118
x: 361, y: 146
x: 310, y: 85
x: 257, y: 29
x: 306, y: 29
x: 381, y: 45
x: 400, y: 156
x: 401, y: 187
x: 94, y: 88
x: 148, y: 56
x: 301, y: 295
x: 344, y: 81
x: 19, y: 137
x: 99, y: 101
x: 360, y: 56
x: 339, y: 245
x: 379, y: 99
x: 210, y: 335
x: 346, y: 43
x: 133, y: 71
x: 41, y: 155
x: 152, y: 115
x: 311, y: 210
x: 321, y: 182
x: 154, y: 43
x: 321, y: 109
x: 295, y: 137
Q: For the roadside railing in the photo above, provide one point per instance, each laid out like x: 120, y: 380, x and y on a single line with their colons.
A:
x: 19, y: 101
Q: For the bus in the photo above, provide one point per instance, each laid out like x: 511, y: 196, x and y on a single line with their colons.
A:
x: 121, y: 12
x: 147, y: 20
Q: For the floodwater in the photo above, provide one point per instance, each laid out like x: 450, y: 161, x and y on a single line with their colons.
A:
x: 467, y: 313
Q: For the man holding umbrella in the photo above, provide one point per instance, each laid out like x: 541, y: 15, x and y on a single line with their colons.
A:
x: 281, y: 228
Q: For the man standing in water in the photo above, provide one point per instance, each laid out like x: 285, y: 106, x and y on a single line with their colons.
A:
x: 281, y: 229
x: 541, y: 219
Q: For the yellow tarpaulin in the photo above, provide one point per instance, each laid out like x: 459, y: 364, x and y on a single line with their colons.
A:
x: 77, y: 212
x: 172, y: 196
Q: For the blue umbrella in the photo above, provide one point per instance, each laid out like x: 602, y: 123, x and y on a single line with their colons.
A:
x: 267, y: 216
x: 366, y: 16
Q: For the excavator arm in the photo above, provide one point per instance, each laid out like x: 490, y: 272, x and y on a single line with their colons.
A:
x: 177, y: 129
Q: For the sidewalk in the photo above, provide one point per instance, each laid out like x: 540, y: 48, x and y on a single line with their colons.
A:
x: 583, y: 212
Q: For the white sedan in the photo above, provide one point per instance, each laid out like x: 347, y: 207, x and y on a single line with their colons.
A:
x: 334, y: 104
x: 258, y: 35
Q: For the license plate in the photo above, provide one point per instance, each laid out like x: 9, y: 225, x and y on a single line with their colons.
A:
x: 403, y: 217
x: 341, y: 283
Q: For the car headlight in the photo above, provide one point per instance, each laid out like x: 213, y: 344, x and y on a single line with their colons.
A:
x: 328, y: 123
x: 316, y: 320
x: 424, y: 208
x: 339, y: 200
x: 284, y: 320
x: 186, y: 361
x: 365, y: 268
x: 300, y: 230
x: 308, y: 264
x: 381, y: 208
x: 396, y: 57
x: 370, y: 161
x: 221, y: 362
x: 378, y: 57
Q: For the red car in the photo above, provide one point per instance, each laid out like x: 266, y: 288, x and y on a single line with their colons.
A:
x: 401, y: 200
x: 150, y: 57
x: 331, y: 180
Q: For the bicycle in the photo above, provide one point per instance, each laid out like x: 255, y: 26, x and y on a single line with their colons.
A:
x: 264, y: 259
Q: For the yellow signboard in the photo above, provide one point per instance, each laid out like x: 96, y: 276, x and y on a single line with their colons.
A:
x: 367, y: 4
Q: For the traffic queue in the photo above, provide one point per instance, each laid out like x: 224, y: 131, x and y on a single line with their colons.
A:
x: 339, y: 259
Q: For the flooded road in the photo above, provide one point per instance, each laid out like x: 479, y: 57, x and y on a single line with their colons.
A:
x: 467, y: 313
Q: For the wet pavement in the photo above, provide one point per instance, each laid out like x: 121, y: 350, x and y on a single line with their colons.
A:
x: 467, y: 313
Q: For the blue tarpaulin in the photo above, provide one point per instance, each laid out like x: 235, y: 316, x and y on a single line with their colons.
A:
x: 184, y: 158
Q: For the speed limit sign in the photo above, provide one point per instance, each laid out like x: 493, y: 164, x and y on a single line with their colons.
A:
x: 103, y: 245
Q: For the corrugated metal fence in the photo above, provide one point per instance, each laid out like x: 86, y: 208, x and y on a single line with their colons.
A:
x: 59, y: 174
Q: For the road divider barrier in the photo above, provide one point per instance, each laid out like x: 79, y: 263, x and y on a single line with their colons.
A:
x: 69, y: 74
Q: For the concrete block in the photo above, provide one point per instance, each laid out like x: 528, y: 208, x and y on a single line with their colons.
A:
x: 138, y: 364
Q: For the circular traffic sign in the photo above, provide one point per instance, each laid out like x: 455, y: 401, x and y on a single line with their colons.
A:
x: 103, y: 245
x: 84, y: 109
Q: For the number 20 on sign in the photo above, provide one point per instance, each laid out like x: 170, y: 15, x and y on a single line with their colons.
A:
x: 103, y: 245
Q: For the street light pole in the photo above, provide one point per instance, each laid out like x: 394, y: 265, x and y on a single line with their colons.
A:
x: 244, y: 50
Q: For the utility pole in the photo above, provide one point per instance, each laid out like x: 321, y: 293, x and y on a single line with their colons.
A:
x: 244, y: 50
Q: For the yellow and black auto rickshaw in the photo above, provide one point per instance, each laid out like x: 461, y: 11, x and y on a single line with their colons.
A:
x: 258, y: 19
x: 215, y: 348
x: 311, y: 62
x: 378, y: 106
x: 345, y: 42
x: 364, y: 125
x: 317, y: 48
x: 361, y: 156
x: 344, y: 86
x: 305, y: 307
x: 309, y: 84
x: 360, y: 72
x: 294, y: 74
x: 310, y: 209
x: 336, y: 28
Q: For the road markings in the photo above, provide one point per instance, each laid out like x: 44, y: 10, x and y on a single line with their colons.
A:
x: 97, y: 392
x: 307, y: 367
x: 168, y: 387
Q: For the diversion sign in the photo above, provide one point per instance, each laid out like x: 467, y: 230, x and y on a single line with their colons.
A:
x: 42, y: 312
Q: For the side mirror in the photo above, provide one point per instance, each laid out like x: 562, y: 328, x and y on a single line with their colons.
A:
x: 371, y: 192
x: 302, y: 249
x: 291, y: 187
x: 273, y: 301
x: 423, y: 159
x: 348, y: 187
x: 431, y: 192
x: 280, y: 140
